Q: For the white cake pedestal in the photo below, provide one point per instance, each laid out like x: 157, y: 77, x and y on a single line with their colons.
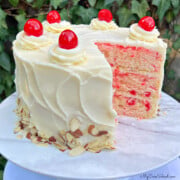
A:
x: 170, y: 171
x: 142, y: 146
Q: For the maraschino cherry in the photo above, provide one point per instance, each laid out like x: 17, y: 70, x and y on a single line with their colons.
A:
x: 105, y: 15
x: 53, y: 17
x: 33, y: 27
x: 68, y: 39
x: 147, y: 23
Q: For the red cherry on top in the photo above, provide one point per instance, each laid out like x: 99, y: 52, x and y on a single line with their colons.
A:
x: 33, y: 27
x: 105, y: 15
x: 68, y: 39
x: 53, y: 17
x: 147, y: 23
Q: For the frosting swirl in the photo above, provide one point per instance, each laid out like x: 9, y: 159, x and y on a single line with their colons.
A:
x: 31, y: 42
x: 56, y: 27
x: 96, y: 24
x: 137, y: 33
x: 67, y: 57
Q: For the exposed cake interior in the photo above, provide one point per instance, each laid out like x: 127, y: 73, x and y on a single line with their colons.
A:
x: 136, y: 78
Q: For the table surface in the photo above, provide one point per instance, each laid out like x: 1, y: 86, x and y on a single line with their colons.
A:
x: 170, y: 171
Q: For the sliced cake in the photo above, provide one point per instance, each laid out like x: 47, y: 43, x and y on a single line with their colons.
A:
x: 73, y: 80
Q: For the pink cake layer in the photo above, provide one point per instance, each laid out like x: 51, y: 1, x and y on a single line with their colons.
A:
x: 131, y: 57
x: 136, y: 84
x: 136, y: 79
x: 135, y: 107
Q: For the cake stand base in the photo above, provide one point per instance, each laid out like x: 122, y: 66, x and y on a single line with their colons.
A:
x: 170, y: 171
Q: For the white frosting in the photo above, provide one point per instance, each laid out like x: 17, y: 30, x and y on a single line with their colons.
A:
x: 56, y: 27
x: 136, y: 32
x: 96, y: 24
x: 67, y: 57
x: 120, y: 36
x: 55, y: 94
x: 31, y: 42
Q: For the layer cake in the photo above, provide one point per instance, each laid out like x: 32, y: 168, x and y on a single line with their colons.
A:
x: 73, y: 80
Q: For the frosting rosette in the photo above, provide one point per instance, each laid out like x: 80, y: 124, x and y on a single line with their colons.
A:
x: 96, y: 24
x: 24, y: 41
x: 137, y: 33
x: 62, y: 56
x: 56, y: 27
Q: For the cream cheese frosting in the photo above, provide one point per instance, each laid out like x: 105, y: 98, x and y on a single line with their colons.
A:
x: 55, y: 94
x: 31, y: 42
x: 56, y: 27
x: 96, y: 24
x: 120, y: 36
x: 67, y: 57
x: 136, y: 32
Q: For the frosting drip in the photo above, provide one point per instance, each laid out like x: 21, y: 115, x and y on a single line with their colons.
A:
x: 56, y: 27
x: 31, y: 42
x: 137, y: 33
x: 96, y: 24
x: 67, y: 57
